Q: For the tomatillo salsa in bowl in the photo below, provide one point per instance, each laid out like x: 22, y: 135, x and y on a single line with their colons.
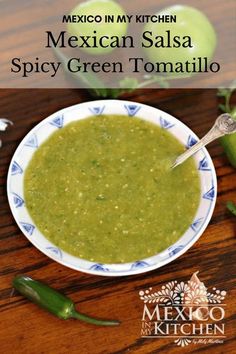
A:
x: 92, y: 187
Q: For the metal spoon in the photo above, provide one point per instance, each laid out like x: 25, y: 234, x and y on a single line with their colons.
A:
x: 224, y: 125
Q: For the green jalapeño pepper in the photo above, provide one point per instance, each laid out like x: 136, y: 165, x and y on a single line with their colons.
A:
x: 231, y: 207
x: 53, y: 301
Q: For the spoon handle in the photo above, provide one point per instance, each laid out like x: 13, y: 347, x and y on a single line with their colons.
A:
x: 224, y: 124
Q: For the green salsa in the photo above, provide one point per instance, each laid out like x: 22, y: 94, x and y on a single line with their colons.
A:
x: 102, y: 189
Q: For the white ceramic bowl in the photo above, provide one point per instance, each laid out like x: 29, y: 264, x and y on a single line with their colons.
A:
x: 59, y: 119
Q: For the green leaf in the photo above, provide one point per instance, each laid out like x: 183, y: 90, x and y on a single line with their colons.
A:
x: 226, y: 93
x: 222, y: 92
x: 222, y: 107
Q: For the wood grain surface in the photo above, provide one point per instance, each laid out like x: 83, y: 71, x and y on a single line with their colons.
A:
x: 24, y: 328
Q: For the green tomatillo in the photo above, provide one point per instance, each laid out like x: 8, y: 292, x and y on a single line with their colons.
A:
x: 99, y: 29
x: 189, y: 22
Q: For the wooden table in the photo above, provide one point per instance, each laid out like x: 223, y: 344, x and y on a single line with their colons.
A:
x: 24, y: 328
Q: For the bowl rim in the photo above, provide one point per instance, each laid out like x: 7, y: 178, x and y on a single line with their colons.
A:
x: 96, y: 268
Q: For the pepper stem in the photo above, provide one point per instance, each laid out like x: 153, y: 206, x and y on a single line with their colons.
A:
x: 95, y: 321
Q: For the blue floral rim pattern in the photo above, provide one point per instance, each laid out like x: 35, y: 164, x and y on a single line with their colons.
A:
x: 44, y: 129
